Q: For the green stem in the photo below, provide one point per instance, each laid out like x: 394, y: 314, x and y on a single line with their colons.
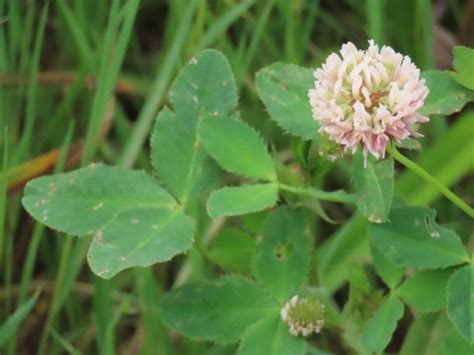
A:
x: 396, y: 155
x: 55, y: 302
x: 334, y: 196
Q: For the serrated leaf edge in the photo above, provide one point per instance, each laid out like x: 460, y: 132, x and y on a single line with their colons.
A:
x: 262, y: 141
x: 107, y: 276
x: 278, y: 123
x: 469, y: 341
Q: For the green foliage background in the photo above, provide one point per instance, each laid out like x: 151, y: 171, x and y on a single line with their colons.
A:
x: 83, y: 81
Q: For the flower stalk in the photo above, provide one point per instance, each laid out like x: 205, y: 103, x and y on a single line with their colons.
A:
x: 451, y: 196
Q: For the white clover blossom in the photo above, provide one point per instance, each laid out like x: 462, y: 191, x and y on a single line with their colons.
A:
x: 368, y: 97
x: 303, y: 316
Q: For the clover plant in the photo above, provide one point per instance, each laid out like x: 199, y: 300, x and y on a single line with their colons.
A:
x: 274, y: 296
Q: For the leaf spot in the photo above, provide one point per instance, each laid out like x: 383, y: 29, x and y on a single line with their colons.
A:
x: 433, y: 232
x: 194, y: 85
x: 134, y: 221
x: 99, y: 237
x: 41, y: 202
x: 102, y: 272
x: 155, y: 226
x: 52, y: 188
x: 100, y: 205
x: 283, y: 251
x: 193, y: 60
x: 195, y: 99
x: 374, y: 218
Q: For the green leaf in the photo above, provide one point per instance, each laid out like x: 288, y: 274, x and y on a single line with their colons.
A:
x: 460, y: 300
x: 423, y: 326
x: 364, y: 299
x: 390, y: 273
x: 179, y: 158
x: 412, y: 238
x: 426, y: 290
x: 454, y: 343
x: 464, y: 65
x: 139, y: 237
x: 338, y: 252
x: 373, y: 185
x: 13, y: 322
x: 409, y: 143
x: 219, y: 311
x: 234, y: 201
x: 283, y: 88
x: 236, y: 147
x: 180, y: 161
x: 442, y: 336
x: 379, y: 329
x: 283, y: 256
x: 446, y: 95
x: 270, y: 336
x: 82, y: 201
x: 233, y: 250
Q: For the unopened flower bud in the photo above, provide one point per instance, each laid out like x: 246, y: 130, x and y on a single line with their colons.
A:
x: 303, y: 316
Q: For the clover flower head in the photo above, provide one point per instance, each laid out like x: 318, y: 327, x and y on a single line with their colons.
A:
x: 368, y: 98
x: 304, y: 316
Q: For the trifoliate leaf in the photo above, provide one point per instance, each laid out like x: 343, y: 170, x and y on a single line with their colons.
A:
x: 135, y: 222
x: 218, y: 311
x: 82, y: 201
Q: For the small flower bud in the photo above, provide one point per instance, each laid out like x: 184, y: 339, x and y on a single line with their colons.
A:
x: 303, y: 316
